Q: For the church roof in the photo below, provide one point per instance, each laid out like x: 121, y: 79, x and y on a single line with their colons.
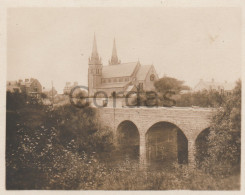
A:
x: 143, y: 70
x: 120, y: 70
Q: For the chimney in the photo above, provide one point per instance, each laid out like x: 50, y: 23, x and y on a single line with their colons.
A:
x: 212, y: 80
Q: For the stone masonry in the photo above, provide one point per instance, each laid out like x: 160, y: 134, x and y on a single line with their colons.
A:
x: 191, y: 121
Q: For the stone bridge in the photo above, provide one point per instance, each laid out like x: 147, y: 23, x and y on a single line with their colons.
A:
x: 190, y: 121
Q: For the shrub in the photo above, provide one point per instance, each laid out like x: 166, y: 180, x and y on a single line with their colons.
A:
x: 53, y: 148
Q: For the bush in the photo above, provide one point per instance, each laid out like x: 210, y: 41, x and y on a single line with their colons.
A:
x: 221, y: 154
x: 66, y: 148
x: 53, y: 148
x: 224, y: 141
x: 202, y: 99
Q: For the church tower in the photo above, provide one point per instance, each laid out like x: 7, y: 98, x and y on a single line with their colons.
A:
x: 94, y: 70
x: 114, y: 59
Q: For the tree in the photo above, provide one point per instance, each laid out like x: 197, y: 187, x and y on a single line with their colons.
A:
x: 53, y: 148
x: 166, y: 88
x: 224, y: 141
x: 201, y: 98
x: 43, y: 95
x: 169, y: 84
x: 15, y: 100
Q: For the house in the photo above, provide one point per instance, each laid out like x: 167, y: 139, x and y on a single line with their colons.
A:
x: 68, y: 87
x: 221, y: 87
x: 13, y: 86
x: 30, y: 86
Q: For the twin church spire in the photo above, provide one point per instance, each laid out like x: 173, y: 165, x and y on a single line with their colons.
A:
x: 114, y: 59
x: 96, y: 60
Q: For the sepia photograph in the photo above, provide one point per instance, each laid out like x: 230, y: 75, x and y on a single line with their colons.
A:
x: 123, y: 98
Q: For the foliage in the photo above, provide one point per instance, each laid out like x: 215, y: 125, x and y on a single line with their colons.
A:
x: 53, y: 148
x: 202, y: 99
x: 166, y: 88
x: 43, y: 95
x: 65, y: 148
x: 168, y: 94
x: 224, y: 145
x: 129, y: 177
x: 82, y: 126
x: 169, y: 84
x: 15, y: 100
x: 153, y: 99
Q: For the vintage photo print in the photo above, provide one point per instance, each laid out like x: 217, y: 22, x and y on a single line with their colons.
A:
x: 112, y: 96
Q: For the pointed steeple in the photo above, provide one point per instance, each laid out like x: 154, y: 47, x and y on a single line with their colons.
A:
x: 94, y: 59
x: 114, y: 58
x: 94, y: 50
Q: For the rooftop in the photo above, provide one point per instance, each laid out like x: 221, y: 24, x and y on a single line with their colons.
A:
x: 120, y: 70
x: 143, y: 70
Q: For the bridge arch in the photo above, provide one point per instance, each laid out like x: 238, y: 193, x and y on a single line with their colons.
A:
x: 128, y: 140
x: 201, y: 145
x: 166, y: 143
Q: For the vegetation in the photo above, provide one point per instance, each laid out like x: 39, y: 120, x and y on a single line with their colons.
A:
x: 202, y: 99
x: 168, y: 93
x: 49, y: 148
x: 167, y: 88
x: 224, y: 140
x: 66, y: 148
x: 169, y: 84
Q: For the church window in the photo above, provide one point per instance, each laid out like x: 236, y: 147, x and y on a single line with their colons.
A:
x: 120, y: 80
x: 115, y: 80
x: 126, y: 79
x: 152, y: 77
x: 109, y: 80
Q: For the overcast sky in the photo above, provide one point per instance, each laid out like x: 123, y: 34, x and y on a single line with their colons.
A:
x: 185, y: 43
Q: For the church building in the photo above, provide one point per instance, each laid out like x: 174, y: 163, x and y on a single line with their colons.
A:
x: 118, y: 77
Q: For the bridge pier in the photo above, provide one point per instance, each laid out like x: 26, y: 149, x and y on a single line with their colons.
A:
x: 142, y: 150
x: 191, y: 153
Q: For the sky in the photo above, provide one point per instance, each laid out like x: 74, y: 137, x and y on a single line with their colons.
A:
x: 54, y: 44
